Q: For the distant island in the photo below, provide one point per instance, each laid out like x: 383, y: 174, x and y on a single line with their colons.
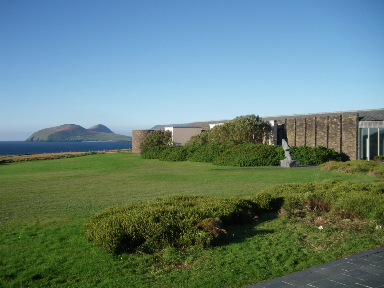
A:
x: 76, y: 133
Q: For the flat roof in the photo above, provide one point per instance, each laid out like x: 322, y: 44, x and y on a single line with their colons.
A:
x: 364, y: 115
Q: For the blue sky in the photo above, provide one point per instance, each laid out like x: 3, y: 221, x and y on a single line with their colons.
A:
x: 134, y: 64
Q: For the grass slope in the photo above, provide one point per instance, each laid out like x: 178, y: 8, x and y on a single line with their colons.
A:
x: 44, y: 204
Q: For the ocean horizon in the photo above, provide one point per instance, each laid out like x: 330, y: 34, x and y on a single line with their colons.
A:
x: 23, y: 147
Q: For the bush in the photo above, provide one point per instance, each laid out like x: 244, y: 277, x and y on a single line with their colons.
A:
x: 314, y: 155
x: 157, y: 138
x: 250, y: 154
x: 241, y: 155
x: 173, y: 153
x: 242, y: 129
x: 153, y: 152
x: 206, y: 153
x: 365, y: 200
x: 183, y: 221
x: 176, y: 221
x: 355, y: 167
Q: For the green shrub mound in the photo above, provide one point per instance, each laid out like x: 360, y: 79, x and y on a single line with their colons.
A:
x: 355, y: 167
x: 314, y: 155
x: 153, y: 152
x: 207, y: 153
x: 240, y: 155
x: 174, y: 153
x: 177, y: 221
x: 362, y: 200
x: 250, y: 154
x: 184, y: 221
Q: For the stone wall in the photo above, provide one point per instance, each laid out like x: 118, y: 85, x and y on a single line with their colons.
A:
x: 300, y: 131
x: 339, y: 132
x: 291, y: 131
x: 334, y: 134
x: 321, y: 131
x: 310, y: 132
x: 350, y: 135
x: 138, y: 137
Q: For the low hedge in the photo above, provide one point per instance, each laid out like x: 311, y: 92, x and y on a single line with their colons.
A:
x: 364, y: 200
x: 169, y: 221
x: 241, y: 155
x: 183, y: 221
x: 173, y: 153
x: 314, y: 155
x: 153, y: 152
x: 250, y: 154
x: 206, y: 153
x: 355, y: 167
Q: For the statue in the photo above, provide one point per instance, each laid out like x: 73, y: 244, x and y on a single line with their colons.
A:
x: 289, y: 161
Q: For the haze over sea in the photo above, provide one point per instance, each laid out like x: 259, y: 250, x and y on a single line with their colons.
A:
x: 21, y: 147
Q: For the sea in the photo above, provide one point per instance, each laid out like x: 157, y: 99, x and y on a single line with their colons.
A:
x: 22, y: 147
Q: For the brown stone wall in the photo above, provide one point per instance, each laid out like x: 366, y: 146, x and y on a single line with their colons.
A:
x: 300, y: 132
x: 350, y: 127
x: 138, y: 137
x: 339, y: 132
x: 281, y: 121
x: 334, y: 140
x: 310, y: 132
x: 291, y: 131
x: 322, y: 131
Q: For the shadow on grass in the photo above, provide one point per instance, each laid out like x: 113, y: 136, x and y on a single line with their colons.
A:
x: 239, y: 233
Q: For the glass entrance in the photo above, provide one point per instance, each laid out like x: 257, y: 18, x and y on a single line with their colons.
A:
x: 371, y: 142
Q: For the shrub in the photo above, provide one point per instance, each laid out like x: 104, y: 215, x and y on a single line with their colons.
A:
x: 168, y: 221
x: 250, y: 154
x: 153, y: 152
x: 242, y: 129
x: 156, y: 138
x: 355, y: 167
x: 206, y: 153
x: 314, y: 155
x: 183, y: 221
x: 365, y: 200
x: 378, y: 158
x: 173, y: 153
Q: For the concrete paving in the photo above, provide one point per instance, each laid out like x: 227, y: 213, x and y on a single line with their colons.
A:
x: 362, y: 270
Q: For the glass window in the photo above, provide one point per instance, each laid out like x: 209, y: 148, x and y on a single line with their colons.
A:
x: 363, y: 143
x: 373, y: 142
x: 381, y: 141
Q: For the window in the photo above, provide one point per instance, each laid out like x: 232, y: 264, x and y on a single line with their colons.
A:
x: 363, y: 143
x: 371, y: 142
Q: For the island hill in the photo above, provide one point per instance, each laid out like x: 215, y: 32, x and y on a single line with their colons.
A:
x: 72, y: 132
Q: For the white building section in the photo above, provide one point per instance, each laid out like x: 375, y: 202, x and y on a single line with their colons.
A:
x: 181, y: 135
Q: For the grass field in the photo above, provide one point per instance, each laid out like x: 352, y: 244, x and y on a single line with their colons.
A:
x: 44, y: 204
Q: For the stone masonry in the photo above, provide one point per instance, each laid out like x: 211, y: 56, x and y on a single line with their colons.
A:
x: 339, y: 132
x: 138, y: 137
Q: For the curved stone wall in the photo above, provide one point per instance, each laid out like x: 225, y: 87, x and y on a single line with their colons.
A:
x: 138, y: 137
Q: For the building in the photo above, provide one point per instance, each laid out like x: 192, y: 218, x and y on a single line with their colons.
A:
x: 181, y: 135
x: 359, y: 134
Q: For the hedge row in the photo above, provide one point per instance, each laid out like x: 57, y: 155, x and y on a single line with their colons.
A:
x: 178, y: 221
x: 241, y: 155
x: 363, y: 200
x: 183, y: 221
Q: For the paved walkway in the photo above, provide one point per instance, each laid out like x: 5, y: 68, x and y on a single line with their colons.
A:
x: 363, y: 270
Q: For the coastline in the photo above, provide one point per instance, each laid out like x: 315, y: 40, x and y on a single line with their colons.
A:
x: 23, y: 148
x: 50, y: 156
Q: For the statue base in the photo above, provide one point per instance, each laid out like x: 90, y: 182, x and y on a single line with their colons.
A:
x: 289, y: 163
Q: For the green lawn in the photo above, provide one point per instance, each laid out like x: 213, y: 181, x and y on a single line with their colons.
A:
x: 43, y: 205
